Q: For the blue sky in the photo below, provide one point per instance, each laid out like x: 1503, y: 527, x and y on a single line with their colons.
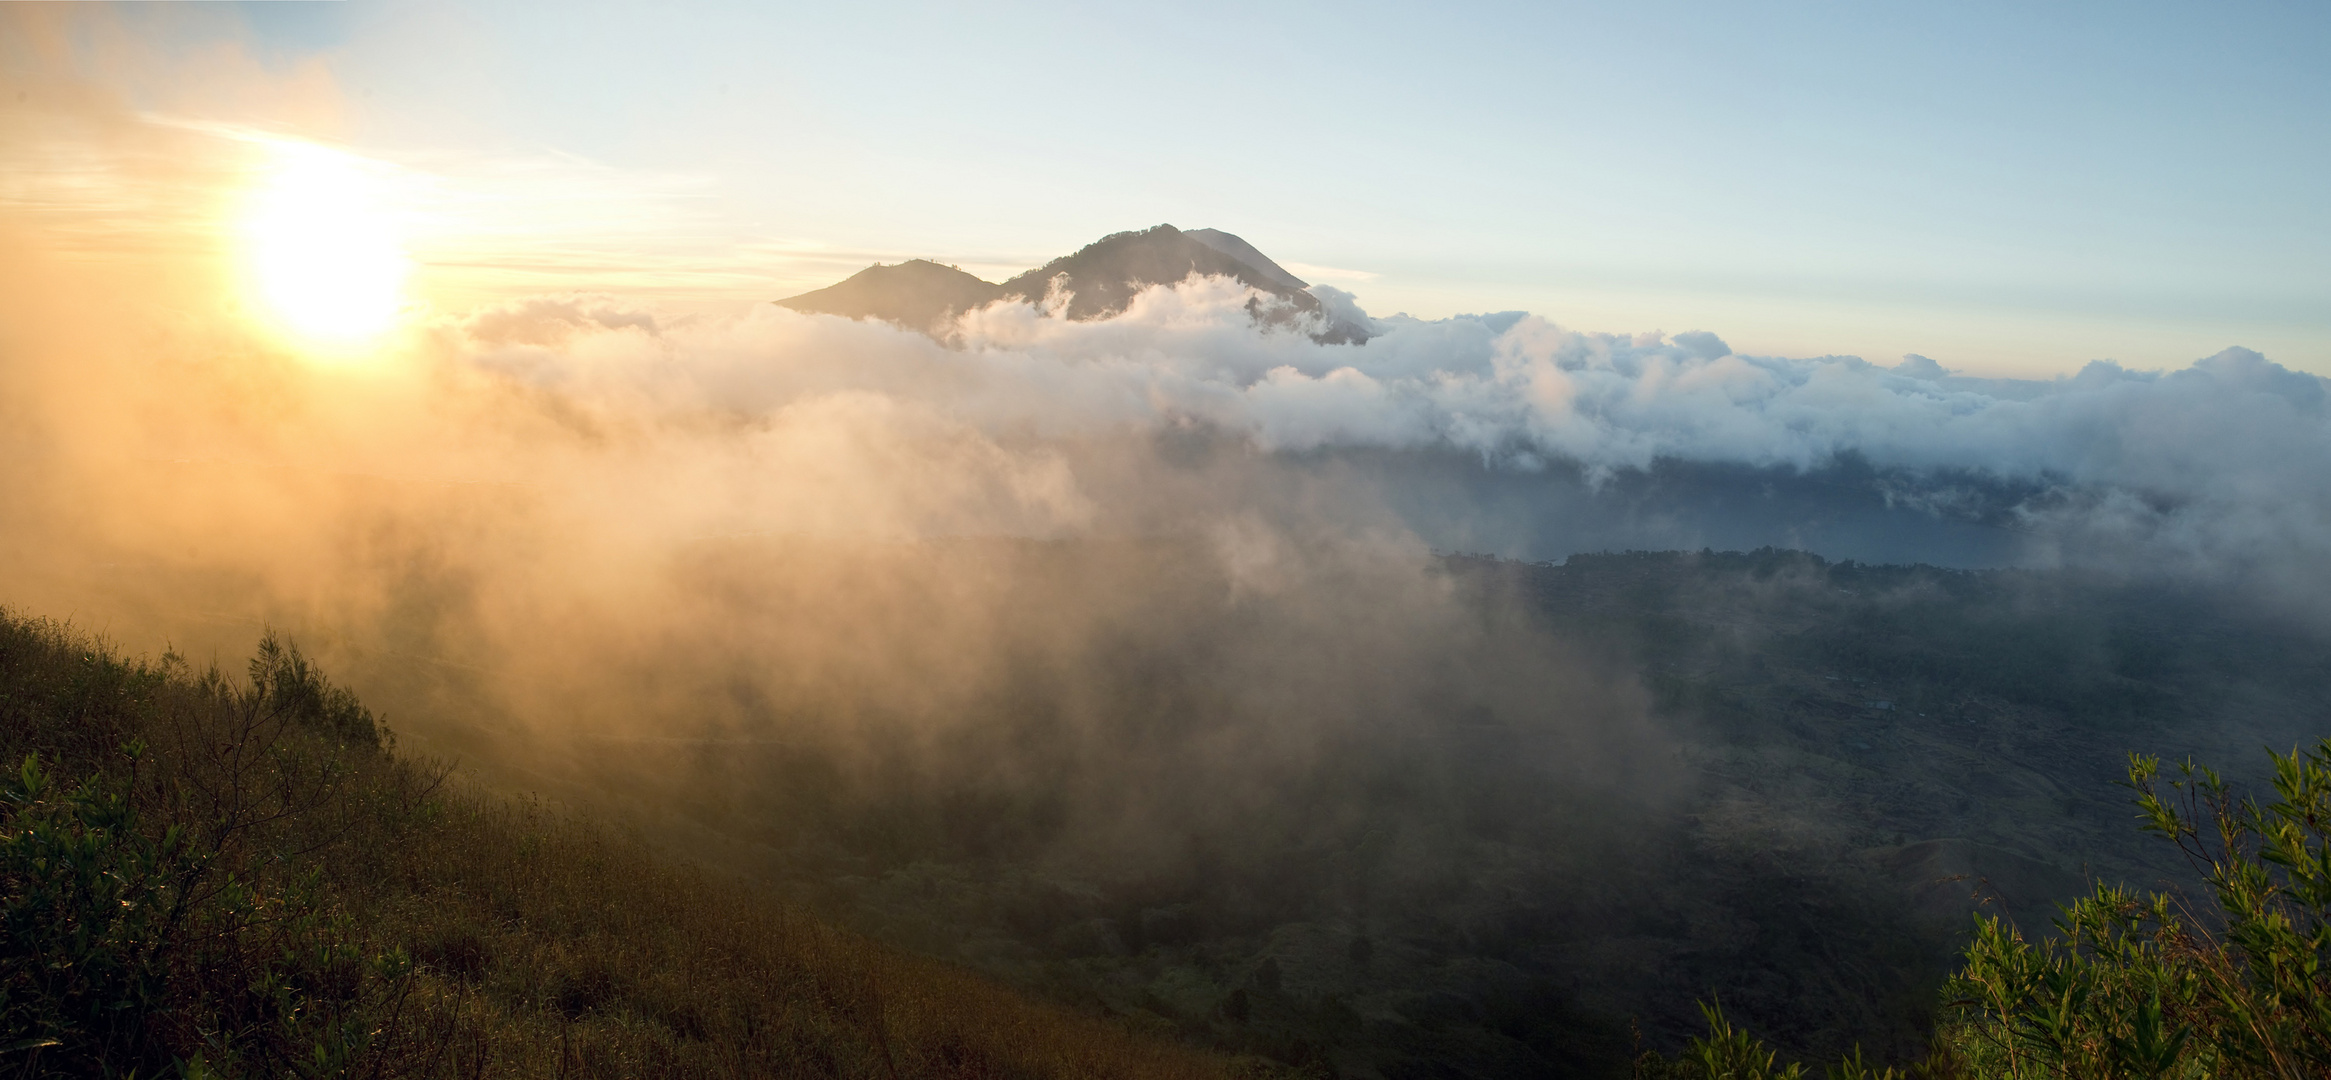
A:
x: 2008, y: 188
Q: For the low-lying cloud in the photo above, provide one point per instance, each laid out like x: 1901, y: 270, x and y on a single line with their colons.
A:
x: 2222, y: 463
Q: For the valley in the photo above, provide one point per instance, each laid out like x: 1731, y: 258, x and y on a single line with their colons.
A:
x: 1612, y: 789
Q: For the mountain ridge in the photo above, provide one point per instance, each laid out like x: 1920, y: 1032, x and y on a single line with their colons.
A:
x: 1099, y: 281
x: 917, y: 294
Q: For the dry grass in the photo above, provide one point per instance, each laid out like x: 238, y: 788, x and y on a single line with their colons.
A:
x: 553, y: 947
x: 336, y: 909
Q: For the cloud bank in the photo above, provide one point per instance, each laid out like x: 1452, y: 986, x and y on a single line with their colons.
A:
x: 2225, y: 463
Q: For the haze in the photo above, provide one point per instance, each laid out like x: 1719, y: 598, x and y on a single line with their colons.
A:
x: 2007, y: 190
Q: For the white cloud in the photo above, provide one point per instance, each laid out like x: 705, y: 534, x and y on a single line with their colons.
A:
x: 2229, y: 458
x: 1314, y: 272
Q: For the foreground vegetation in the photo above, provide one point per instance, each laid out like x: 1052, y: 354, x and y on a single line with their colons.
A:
x: 2139, y: 986
x: 203, y: 876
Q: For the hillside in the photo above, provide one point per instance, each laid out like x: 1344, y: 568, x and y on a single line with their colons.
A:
x: 208, y: 876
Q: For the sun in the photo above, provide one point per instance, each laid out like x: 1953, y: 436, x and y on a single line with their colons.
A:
x: 320, y: 245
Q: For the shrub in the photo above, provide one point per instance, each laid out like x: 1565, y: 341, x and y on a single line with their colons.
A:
x: 2139, y: 985
x: 2136, y: 986
x: 168, y: 911
x: 86, y: 903
x: 1725, y: 1053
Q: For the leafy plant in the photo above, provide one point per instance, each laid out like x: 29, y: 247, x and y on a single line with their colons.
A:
x: 1729, y: 1053
x: 86, y: 907
x: 2138, y: 986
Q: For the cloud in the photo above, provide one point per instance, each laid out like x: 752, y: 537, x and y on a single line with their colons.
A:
x: 1702, y: 344
x: 2226, y: 462
x: 1340, y: 308
x: 1316, y: 272
x: 1920, y: 367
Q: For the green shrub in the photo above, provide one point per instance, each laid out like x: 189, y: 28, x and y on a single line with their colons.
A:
x: 167, y: 911
x: 2140, y: 986
x: 1725, y: 1053
x: 86, y: 907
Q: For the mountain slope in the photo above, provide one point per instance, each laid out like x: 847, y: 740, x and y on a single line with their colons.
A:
x: 1103, y: 276
x: 917, y: 294
x: 1101, y: 279
x: 1237, y: 248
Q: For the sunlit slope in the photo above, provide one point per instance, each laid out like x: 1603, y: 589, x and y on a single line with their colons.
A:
x: 244, y: 877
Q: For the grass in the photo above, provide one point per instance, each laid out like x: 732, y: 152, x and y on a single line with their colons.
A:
x: 205, y: 876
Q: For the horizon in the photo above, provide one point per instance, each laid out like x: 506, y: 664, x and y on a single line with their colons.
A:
x: 453, y: 217
x: 2011, y: 193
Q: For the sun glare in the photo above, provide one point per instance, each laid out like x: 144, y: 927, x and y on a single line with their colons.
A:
x: 321, y: 247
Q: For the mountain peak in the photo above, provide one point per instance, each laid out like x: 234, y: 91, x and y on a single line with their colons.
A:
x: 917, y: 294
x: 1101, y: 279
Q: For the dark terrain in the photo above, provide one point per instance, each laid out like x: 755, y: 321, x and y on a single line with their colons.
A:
x: 1614, y: 788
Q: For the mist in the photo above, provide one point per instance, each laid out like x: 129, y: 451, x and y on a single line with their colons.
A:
x: 1134, y: 624
x: 1508, y: 433
x: 588, y: 519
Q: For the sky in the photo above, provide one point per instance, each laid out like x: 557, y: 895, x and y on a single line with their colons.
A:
x: 2011, y: 189
x: 313, y: 311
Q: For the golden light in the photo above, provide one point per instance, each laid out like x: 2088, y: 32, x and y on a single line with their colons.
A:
x: 321, y: 246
